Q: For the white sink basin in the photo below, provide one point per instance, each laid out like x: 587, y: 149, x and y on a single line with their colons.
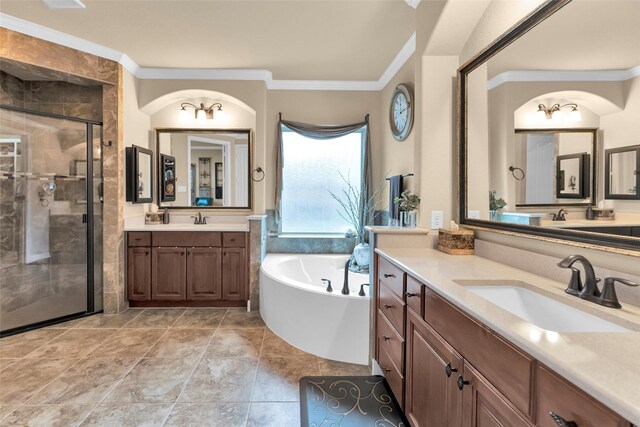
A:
x: 543, y: 311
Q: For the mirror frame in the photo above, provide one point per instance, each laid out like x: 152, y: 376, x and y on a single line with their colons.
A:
x: 591, y: 181
x: 132, y: 160
x: 583, y: 178
x: 607, y: 173
x: 249, y: 133
x: 612, y: 243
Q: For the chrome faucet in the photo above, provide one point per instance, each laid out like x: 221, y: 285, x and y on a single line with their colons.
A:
x: 199, y: 219
x: 345, y: 285
x: 590, y: 291
x: 560, y: 216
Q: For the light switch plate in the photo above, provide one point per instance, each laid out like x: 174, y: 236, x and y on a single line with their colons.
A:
x: 437, y: 218
x: 473, y: 214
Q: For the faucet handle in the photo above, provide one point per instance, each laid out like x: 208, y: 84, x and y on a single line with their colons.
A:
x: 575, y: 283
x: 609, y: 297
x: 328, y: 283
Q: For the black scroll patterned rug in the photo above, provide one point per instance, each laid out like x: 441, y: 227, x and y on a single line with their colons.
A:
x: 349, y: 402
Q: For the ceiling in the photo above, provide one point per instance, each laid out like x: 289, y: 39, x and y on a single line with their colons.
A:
x: 294, y: 39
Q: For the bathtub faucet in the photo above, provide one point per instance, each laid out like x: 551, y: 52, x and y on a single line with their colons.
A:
x: 345, y: 285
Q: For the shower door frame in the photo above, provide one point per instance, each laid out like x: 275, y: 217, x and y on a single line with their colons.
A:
x: 89, y: 215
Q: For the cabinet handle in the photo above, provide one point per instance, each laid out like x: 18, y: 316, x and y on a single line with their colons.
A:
x: 386, y: 369
x: 561, y: 421
x: 448, y: 369
x: 146, y: 253
x: 409, y: 294
x: 461, y: 382
x: 387, y: 306
x: 232, y: 240
x: 386, y: 276
x: 386, y: 338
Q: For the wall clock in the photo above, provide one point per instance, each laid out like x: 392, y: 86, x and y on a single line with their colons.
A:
x: 401, y: 112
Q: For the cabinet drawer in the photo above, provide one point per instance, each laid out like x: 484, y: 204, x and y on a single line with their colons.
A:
x: 139, y: 238
x: 393, y: 376
x: 554, y: 394
x: 391, y: 307
x: 186, y: 238
x: 389, y: 340
x: 485, y: 350
x: 414, y: 295
x: 233, y: 240
x: 391, y: 276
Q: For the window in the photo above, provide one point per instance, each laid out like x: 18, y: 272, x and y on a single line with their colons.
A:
x: 311, y: 170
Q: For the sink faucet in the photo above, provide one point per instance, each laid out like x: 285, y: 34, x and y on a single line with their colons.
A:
x: 560, y: 216
x: 199, y: 219
x: 345, y: 285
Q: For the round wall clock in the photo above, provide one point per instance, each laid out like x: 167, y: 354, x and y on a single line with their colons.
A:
x: 401, y: 112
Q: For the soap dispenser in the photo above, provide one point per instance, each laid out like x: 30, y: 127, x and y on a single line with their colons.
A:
x: 165, y: 216
x: 590, y: 214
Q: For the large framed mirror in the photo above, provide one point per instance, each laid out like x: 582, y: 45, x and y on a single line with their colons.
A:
x: 538, y: 110
x: 204, y: 168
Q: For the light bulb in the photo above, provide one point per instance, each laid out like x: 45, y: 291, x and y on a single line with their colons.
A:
x: 221, y: 116
x: 574, y: 115
x: 184, y: 115
x: 201, y: 115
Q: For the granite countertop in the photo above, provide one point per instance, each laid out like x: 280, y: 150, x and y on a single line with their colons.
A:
x: 605, y: 365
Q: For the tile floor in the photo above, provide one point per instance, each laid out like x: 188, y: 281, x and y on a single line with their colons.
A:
x: 155, y: 367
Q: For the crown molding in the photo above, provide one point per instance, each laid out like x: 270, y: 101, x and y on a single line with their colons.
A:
x: 64, y: 39
x: 564, y: 76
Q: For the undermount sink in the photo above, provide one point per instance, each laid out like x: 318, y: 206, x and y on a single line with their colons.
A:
x: 542, y: 311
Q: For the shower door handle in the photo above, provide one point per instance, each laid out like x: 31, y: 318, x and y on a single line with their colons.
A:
x: 84, y: 218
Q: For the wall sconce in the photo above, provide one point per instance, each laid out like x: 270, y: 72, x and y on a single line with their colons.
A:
x: 201, y: 113
x: 548, y: 113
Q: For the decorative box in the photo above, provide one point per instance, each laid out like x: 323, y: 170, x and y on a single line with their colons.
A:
x: 153, y: 218
x: 456, y: 242
x: 604, y: 214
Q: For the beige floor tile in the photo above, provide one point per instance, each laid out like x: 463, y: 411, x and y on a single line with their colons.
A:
x: 156, y: 318
x: 128, y: 343
x: 334, y: 368
x: 274, y: 346
x: 181, y: 343
x: 26, y: 377
x: 241, y: 318
x: 126, y: 415
x: 278, y: 378
x: 201, y: 318
x: 209, y: 414
x: 153, y: 381
x: 88, y: 381
x: 6, y: 410
x: 66, y: 325
x: 48, y: 415
x: 20, y: 345
x: 221, y: 380
x: 108, y: 320
x: 274, y: 414
x: 73, y: 344
x: 236, y: 343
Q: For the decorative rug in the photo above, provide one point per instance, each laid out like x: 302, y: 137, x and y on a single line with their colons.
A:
x: 349, y: 402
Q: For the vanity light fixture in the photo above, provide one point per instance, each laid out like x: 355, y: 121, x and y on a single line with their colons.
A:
x: 548, y: 113
x: 201, y: 112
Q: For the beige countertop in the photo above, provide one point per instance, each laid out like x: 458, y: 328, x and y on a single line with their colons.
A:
x: 605, y: 365
x: 185, y: 223
x: 591, y: 223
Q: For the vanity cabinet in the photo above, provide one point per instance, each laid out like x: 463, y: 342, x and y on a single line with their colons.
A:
x: 451, y: 370
x: 196, y: 268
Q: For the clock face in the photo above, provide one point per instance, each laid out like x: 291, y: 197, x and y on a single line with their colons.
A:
x: 401, y: 112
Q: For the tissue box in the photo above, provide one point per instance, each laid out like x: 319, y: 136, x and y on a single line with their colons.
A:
x: 456, y: 242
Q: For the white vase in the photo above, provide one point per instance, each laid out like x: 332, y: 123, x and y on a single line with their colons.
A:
x: 361, y: 257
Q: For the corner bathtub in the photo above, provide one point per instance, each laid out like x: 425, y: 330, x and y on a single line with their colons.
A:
x: 296, y: 306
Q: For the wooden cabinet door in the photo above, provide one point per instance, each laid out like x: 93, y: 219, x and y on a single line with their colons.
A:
x: 169, y: 273
x: 483, y: 405
x: 139, y: 274
x: 204, y: 274
x: 432, y: 397
x: 233, y: 274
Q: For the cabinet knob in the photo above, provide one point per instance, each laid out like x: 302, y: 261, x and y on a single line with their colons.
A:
x: 386, y: 369
x: 386, y: 338
x: 146, y: 253
x: 461, y: 382
x: 232, y: 240
x: 409, y: 294
x: 448, y: 369
x: 387, y: 306
x: 386, y: 275
x: 561, y: 421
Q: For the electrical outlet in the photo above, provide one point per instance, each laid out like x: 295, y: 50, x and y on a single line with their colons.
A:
x: 473, y: 214
x: 437, y: 218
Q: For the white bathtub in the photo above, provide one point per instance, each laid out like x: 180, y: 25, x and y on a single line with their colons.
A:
x: 296, y: 306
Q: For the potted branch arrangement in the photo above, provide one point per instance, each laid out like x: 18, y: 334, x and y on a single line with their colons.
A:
x: 358, y: 210
x: 408, y: 203
x: 495, y: 204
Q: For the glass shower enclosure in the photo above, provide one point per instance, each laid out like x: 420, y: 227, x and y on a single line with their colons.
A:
x: 50, y: 218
